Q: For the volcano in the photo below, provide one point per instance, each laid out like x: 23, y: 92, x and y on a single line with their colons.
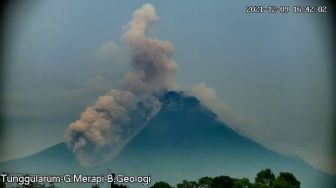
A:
x: 184, y: 140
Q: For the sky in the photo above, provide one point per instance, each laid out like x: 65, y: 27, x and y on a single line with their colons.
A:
x: 268, y: 75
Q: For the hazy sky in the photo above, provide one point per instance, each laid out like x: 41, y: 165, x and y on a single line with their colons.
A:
x: 272, y: 73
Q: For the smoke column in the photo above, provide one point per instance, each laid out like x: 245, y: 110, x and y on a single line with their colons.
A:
x: 107, y: 126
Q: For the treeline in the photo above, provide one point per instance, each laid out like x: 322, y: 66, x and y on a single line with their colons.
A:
x: 264, y: 179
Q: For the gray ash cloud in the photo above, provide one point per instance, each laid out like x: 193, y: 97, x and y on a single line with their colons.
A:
x: 104, y: 128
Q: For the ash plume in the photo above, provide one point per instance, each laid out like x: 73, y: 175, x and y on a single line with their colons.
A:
x: 150, y: 57
x: 107, y: 126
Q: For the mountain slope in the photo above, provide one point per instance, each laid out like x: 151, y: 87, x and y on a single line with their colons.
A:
x: 183, y: 141
x: 56, y: 159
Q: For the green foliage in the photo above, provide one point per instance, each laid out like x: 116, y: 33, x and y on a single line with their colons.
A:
x: 161, y: 184
x: 242, y: 183
x: 205, y: 182
x: 260, y: 186
x: 265, y: 177
x: 95, y: 186
x: 286, y: 180
x: 222, y: 182
x: 187, y: 184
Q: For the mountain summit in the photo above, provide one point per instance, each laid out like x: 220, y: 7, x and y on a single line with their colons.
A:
x: 183, y: 141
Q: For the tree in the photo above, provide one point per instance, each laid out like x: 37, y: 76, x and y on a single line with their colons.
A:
x: 286, y: 180
x: 205, y: 182
x: 260, y: 186
x: 265, y: 177
x: 242, y: 183
x: 222, y: 182
x: 187, y: 184
x: 161, y: 184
